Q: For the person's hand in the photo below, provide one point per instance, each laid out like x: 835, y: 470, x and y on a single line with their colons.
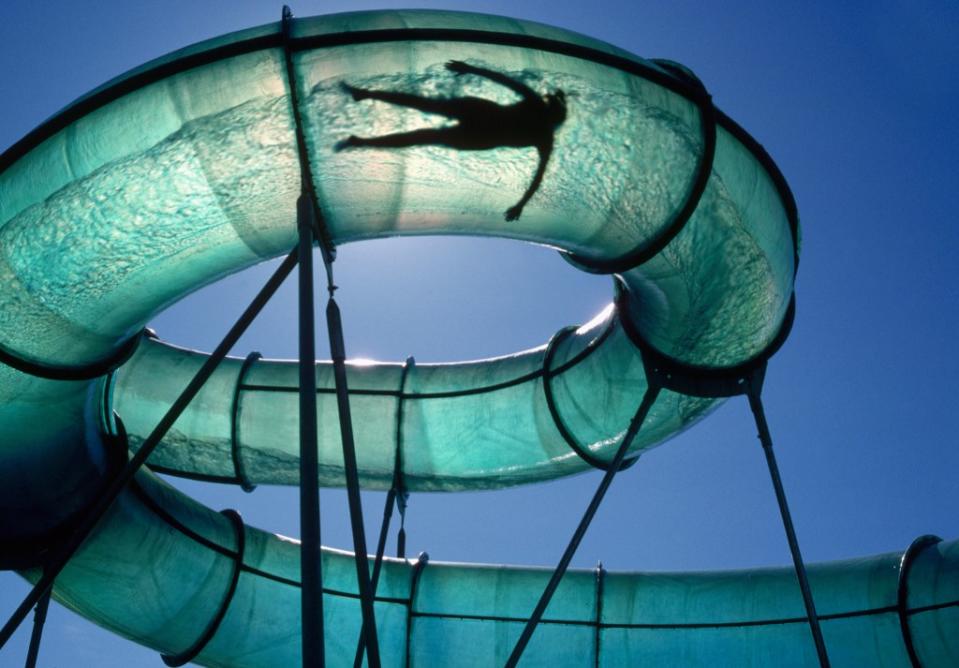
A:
x: 513, y: 212
x: 458, y: 67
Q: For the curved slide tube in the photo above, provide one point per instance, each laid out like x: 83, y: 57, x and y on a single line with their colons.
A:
x: 186, y: 170
x: 171, y: 563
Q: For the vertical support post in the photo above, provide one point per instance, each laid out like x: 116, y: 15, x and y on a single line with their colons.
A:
x: 754, y: 392
x: 311, y: 593
x: 649, y: 398
x: 39, y: 618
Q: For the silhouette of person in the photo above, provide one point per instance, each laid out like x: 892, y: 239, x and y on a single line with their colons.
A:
x: 481, y: 124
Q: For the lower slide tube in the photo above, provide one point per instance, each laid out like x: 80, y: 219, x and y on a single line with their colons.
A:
x: 172, y: 565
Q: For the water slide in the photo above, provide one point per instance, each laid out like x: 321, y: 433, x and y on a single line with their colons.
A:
x: 188, y: 169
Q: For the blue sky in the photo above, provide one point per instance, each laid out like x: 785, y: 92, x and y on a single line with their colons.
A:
x: 853, y: 100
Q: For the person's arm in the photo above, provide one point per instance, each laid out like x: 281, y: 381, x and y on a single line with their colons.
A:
x: 458, y: 67
x: 545, y: 150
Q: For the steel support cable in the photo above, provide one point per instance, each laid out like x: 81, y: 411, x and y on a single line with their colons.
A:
x: 194, y: 650
x: 581, y: 452
x: 338, y: 353
x: 398, y: 482
x: 39, y: 619
x: 395, y: 491
x: 754, y: 394
x: 649, y: 398
x: 238, y: 470
x: 902, y: 592
x: 402, y: 499
x: 746, y: 378
x: 85, y: 525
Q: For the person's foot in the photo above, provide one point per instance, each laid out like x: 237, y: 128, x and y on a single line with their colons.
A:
x: 350, y: 142
x: 356, y: 93
x: 513, y: 213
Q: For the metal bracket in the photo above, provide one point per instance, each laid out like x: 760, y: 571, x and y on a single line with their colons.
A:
x: 698, y: 381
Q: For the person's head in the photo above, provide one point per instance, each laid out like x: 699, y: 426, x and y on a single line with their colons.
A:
x: 556, y: 106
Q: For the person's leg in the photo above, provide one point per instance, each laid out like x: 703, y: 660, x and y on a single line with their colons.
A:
x: 424, y: 137
x: 429, y: 105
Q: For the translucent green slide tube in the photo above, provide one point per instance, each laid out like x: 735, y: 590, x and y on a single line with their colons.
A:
x: 171, y: 562
x: 186, y: 170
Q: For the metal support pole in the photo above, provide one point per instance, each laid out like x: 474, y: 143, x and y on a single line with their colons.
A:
x: 39, y: 617
x: 85, y: 525
x: 311, y: 593
x: 652, y: 391
x: 754, y: 392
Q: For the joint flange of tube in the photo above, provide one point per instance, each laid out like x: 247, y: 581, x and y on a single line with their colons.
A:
x: 85, y: 372
x: 902, y: 591
x: 211, y: 629
x: 418, y: 567
x: 561, y: 427
x: 238, y: 469
x: 645, y: 251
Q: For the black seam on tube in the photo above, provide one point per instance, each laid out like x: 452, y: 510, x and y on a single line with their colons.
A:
x: 84, y: 372
x: 582, y: 452
x: 699, y: 381
x: 415, y: 576
x: 265, y: 42
x: 704, y: 168
x: 902, y: 592
x: 192, y: 475
x: 453, y: 394
x: 889, y: 609
x: 600, y: 581
x: 238, y: 469
x: 932, y: 607
x: 211, y: 629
